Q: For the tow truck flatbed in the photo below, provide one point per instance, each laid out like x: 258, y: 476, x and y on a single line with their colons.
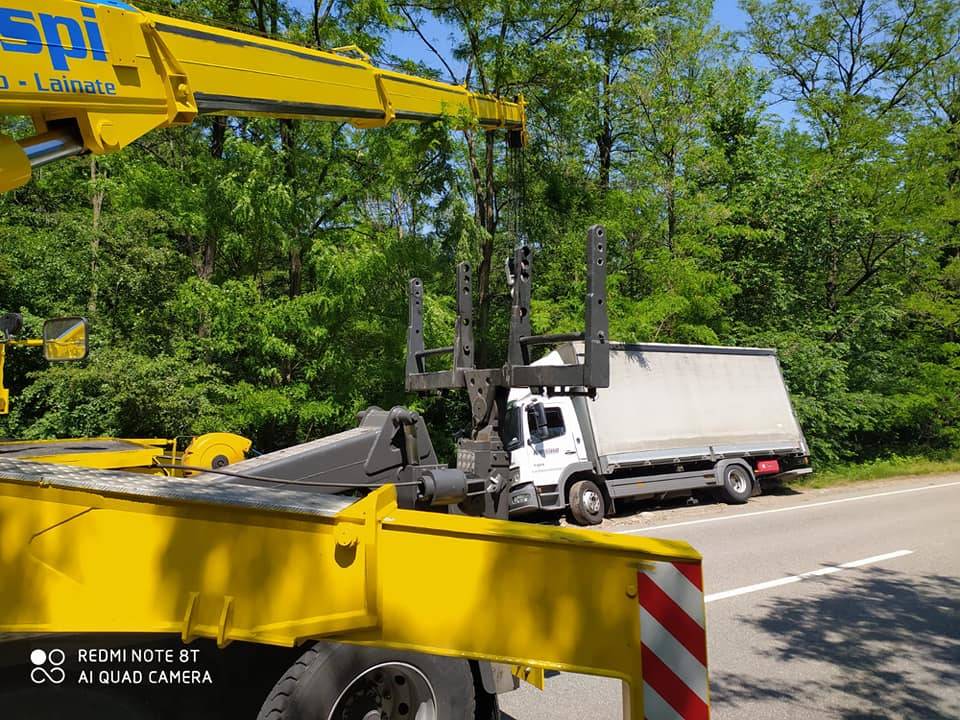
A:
x: 94, y: 551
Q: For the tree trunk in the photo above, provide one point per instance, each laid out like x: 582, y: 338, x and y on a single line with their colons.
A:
x: 218, y: 139
x: 951, y: 250
x: 833, y: 282
x: 296, y: 271
x: 605, y: 150
x: 288, y: 130
x: 671, y: 199
x: 208, y: 253
x: 96, y: 203
x: 605, y: 138
x: 485, y: 196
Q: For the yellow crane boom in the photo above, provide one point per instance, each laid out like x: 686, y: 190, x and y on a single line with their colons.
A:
x: 95, y: 75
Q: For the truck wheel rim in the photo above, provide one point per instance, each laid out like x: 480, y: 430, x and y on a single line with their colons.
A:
x: 388, y: 691
x: 591, y: 501
x: 738, y: 480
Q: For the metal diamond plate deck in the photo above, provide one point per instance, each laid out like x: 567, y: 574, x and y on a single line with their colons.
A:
x: 205, y: 488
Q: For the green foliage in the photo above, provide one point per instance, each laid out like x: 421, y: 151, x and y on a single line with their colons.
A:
x: 893, y: 466
x: 250, y: 275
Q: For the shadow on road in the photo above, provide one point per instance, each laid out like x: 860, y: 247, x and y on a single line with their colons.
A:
x: 780, y: 489
x: 893, y: 642
x: 627, y: 507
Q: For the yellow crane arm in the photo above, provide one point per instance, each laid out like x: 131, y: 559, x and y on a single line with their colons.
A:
x: 95, y: 75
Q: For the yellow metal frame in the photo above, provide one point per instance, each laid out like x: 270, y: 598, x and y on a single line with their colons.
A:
x: 138, y: 71
x: 537, y: 597
x: 4, y: 391
x: 157, y: 456
x: 141, y: 453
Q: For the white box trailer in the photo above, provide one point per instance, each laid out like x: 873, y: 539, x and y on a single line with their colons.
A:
x: 675, y: 418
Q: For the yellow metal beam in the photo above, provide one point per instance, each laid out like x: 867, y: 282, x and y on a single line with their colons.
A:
x: 4, y: 344
x: 4, y: 392
x: 187, y: 562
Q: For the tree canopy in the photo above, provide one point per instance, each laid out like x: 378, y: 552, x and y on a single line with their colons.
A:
x: 795, y: 186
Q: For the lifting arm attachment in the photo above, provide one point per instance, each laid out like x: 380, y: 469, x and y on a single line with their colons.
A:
x: 96, y: 75
x: 484, y: 456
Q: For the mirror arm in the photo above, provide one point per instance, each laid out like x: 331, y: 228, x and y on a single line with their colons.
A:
x: 33, y: 342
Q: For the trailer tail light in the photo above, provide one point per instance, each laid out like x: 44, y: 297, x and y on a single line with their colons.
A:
x: 768, y: 467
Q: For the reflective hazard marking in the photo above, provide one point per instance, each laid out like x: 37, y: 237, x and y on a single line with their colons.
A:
x: 673, y: 642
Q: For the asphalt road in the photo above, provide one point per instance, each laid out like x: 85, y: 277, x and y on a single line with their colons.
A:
x: 877, y: 639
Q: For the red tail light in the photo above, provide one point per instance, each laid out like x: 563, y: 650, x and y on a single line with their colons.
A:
x: 768, y: 467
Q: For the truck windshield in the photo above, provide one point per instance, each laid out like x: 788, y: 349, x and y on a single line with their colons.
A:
x: 511, y: 428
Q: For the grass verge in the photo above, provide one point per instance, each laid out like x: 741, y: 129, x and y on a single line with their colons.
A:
x: 895, y: 466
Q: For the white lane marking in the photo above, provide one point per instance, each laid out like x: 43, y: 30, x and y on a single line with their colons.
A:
x: 829, y: 570
x: 785, y: 509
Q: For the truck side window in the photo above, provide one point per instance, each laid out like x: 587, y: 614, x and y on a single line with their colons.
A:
x: 555, y: 427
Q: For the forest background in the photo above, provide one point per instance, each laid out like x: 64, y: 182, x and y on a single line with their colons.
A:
x: 795, y: 185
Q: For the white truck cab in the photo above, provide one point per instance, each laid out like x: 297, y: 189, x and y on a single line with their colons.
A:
x: 543, y: 459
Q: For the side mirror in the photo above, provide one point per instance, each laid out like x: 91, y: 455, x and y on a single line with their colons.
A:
x: 65, y: 339
x: 539, y: 416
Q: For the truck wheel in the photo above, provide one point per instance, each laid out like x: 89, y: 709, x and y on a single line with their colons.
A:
x: 331, y: 681
x: 736, y: 485
x: 586, y: 503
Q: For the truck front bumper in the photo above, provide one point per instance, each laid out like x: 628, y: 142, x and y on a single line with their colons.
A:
x: 524, y: 499
x: 528, y: 498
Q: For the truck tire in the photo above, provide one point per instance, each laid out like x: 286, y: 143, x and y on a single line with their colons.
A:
x: 736, y: 483
x: 586, y: 503
x: 331, y: 681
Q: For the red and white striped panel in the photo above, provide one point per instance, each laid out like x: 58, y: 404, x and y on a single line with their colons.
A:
x: 673, y: 642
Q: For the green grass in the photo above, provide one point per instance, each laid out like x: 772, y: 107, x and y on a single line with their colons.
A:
x: 895, y: 466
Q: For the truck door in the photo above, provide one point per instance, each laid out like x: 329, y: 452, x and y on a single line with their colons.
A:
x: 559, y: 446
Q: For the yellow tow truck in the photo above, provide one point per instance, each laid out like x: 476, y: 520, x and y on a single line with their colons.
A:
x: 389, y: 576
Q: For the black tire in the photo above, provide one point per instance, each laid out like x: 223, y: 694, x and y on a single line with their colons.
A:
x: 587, y: 506
x: 328, y: 675
x: 736, y: 483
